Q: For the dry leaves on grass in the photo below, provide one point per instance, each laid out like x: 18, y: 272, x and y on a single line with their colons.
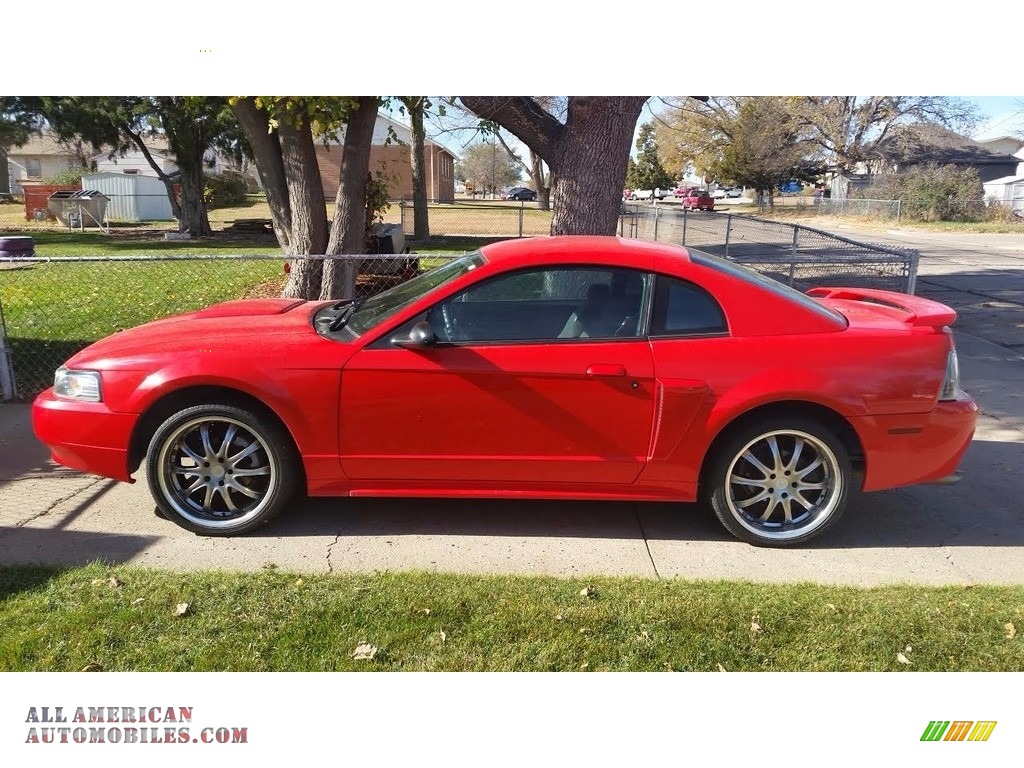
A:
x: 364, y: 651
x: 901, y: 656
x: 1011, y: 631
x: 182, y: 609
x: 113, y: 581
x: 588, y: 592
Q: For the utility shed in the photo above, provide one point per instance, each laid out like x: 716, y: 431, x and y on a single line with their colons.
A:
x: 132, y: 197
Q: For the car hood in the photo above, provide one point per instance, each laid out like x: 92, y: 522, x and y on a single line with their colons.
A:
x: 265, y: 323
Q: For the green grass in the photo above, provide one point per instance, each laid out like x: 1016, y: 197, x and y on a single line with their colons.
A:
x: 125, y: 618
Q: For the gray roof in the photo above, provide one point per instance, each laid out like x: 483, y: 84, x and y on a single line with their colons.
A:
x: 927, y: 143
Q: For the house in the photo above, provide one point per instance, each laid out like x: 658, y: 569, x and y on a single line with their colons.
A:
x: 134, y: 162
x: 394, y: 158
x: 41, y: 157
x: 926, y: 144
x: 1004, y: 145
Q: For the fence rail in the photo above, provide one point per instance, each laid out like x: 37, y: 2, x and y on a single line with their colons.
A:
x: 797, y: 255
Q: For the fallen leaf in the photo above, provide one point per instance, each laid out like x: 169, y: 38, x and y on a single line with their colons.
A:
x: 902, y: 659
x: 114, y: 581
x: 299, y: 582
x: 558, y: 617
x: 832, y: 607
x: 443, y: 636
x: 182, y: 609
x: 426, y: 611
x: 584, y: 665
x: 584, y: 630
x: 364, y: 651
x: 92, y: 667
x: 138, y: 600
x: 908, y: 649
x: 722, y: 669
x: 1011, y: 631
x: 644, y: 636
x: 755, y: 627
x: 588, y: 592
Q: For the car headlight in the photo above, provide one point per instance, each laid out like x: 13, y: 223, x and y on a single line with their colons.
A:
x: 951, y: 382
x: 77, y: 385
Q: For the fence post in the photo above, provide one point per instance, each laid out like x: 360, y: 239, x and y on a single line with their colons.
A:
x: 899, y: 206
x: 7, y: 388
x: 522, y: 207
x: 655, y: 221
x: 684, y: 226
x: 728, y: 229
x: 792, y: 256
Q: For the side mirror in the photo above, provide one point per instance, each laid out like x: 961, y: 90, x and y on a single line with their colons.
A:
x: 420, y: 336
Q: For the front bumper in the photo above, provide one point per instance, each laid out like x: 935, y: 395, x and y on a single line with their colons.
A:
x: 84, y: 436
x: 908, y: 449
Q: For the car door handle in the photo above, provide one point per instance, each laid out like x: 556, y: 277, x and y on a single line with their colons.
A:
x: 606, y: 369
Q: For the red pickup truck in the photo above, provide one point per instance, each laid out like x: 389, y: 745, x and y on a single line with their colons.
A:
x: 697, y: 199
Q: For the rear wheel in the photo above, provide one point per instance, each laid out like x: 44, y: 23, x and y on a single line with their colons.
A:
x: 780, y: 482
x: 220, y: 470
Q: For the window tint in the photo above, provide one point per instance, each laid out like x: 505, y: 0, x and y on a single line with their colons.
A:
x: 545, y: 305
x: 682, y: 308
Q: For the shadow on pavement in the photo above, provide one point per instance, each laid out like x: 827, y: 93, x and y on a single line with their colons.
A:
x: 23, y: 545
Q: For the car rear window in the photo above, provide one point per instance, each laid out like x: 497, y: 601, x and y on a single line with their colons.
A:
x: 750, y: 276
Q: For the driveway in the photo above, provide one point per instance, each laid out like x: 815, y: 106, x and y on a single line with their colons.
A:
x: 969, y: 533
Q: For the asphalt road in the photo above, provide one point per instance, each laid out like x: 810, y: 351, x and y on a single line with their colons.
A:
x: 969, y: 533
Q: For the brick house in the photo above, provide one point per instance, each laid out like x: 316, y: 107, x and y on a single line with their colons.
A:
x: 394, y: 157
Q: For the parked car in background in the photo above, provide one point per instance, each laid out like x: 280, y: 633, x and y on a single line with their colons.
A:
x: 719, y: 194
x: 579, y: 367
x: 519, y: 193
x: 641, y: 194
x: 698, y: 200
x: 733, y: 191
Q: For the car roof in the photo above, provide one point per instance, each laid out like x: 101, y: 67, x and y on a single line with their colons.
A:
x: 628, y: 252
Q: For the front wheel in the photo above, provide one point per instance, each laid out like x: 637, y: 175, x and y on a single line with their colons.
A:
x: 219, y: 470
x: 780, y: 482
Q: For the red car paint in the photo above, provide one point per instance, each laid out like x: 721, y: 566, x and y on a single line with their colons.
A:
x: 611, y: 418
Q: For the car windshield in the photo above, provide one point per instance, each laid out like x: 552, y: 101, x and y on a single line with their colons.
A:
x: 383, y: 305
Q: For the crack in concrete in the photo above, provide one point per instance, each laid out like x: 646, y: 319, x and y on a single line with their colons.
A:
x: 58, y: 502
x: 647, y: 545
x: 330, y: 552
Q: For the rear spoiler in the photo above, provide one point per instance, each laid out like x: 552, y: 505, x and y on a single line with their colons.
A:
x: 921, y: 311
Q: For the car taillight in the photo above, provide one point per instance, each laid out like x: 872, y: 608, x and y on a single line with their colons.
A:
x: 951, y: 382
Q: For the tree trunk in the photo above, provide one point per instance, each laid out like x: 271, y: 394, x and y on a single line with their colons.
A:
x: 587, y: 156
x: 590, y: 164
x: 307, y: 205
x: 541, y: 184
x: 5, y: 179
x: 421, y: 222
x: 192, y: 212
x: 348, y: 231
x: 266, y: 149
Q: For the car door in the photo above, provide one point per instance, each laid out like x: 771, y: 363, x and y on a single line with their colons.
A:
x: 537, y: 377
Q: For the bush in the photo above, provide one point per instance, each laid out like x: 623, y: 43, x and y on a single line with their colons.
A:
x: 69, y: 178
x: 933, y: 193
x: 224, y: 190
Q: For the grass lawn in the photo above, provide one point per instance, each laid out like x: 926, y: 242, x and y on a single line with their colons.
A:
x: 124, y: 618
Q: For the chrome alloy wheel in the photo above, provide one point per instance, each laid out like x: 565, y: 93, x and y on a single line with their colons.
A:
x: 783, y: 484
x: 217, y: 472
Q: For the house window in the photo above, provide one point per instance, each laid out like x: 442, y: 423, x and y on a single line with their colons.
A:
x: 33, y: 168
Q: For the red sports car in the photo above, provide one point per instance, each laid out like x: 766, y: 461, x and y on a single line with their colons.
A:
x: 567, y: 368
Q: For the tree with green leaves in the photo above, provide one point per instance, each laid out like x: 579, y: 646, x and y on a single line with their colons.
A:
x: 191, y: 125
x: 587, y: 152
x: 17, y: 121
x: 646, y: 171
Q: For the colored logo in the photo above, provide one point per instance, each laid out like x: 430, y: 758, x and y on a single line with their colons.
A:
x: 958, y: 730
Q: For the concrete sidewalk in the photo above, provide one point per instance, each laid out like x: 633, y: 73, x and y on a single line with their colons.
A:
x: 972, y: 532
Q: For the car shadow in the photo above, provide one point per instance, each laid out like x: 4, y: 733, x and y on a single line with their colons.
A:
x: 984, y: 509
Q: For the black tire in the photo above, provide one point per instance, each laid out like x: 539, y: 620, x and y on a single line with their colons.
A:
x: 17, y: 243
x: 245, y: 486
x: 779, y: 482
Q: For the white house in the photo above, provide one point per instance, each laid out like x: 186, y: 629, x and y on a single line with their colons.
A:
x: 134, y: 162
x: 42, y: 157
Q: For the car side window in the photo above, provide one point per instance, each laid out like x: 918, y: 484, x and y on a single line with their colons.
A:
x: 545, y: 305
x: 684, y: 309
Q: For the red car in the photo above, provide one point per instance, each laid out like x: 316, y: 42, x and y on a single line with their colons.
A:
x: 697, y: 200
x: 564, y: 368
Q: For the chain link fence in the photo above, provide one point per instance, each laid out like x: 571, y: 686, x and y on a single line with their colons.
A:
x: 53, y: 307
x: 495, y: 218
x: 800, y: 256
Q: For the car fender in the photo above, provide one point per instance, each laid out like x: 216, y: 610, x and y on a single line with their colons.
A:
x: 285, y: 392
